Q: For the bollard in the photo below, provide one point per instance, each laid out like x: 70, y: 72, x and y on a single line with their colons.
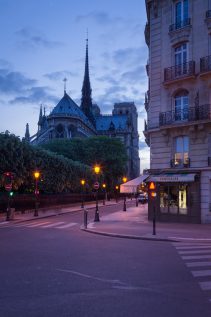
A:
x: 85, y: 218
x: 154, y: 221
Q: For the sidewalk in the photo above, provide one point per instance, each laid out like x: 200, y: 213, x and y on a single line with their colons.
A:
x: 131, y: 224
x: 134, y: 224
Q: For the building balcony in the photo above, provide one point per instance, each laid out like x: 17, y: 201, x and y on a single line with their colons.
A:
x: 187, y: 115
x: 180, y: 25
x: 178, y: 72
x: 205, y: 64
x: 146, y: 102
x: 209, y: 161
x: 178, y: 163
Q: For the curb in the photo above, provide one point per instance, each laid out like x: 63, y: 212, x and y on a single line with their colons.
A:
x: 125, y: 236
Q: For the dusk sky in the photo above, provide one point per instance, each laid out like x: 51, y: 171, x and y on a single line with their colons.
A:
x: 43, y: 41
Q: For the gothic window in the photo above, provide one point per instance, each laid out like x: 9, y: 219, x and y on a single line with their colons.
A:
x: 181, y: 106
x: 60, y: 131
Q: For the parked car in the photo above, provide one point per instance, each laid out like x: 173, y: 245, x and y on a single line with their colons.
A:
x: 143, y: 198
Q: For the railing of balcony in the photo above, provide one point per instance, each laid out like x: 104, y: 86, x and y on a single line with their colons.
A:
x: 179, y: 71
x: 179, y: 25
x: 205, y: 64
x: 209, y: 161
x: 145, y: 126
x: 208, y: 14
x: 180, y: 163
x: 201, y: 112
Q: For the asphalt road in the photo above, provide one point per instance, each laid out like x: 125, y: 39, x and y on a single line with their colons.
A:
x: 49, y: 267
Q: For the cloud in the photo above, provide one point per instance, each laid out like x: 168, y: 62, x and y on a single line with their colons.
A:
x: 60, y: 75
x: 130, y: 56
x: 14, y: 82
x: 100, y: 17
x: 137, y: 75
x: 35, y: 95
x: 30, y: 38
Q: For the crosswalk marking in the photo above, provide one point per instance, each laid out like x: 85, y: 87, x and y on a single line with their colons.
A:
x: 195, y: 251
x: 193, y: 247
x: 53, y: 224
x: 196, y: 264
x: 198, y: 256
x: 201, y: 273
x: 67, y: 225
x: 205, y: 286
x: 36, y: 224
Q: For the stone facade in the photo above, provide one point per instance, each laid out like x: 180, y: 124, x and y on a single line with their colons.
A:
x: 178, y: 127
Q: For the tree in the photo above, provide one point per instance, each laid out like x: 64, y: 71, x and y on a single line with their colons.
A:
x: 110, y: 153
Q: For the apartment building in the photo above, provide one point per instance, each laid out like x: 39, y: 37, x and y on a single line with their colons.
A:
x: 178, y: 126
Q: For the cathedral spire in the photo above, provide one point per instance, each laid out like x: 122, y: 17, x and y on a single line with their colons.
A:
x: 27, y: 135
x: 40, y: 118
x: 86, y: 100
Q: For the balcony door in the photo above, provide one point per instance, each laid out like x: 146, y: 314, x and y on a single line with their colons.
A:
x: 181, y: 58
x: 181, y: 106
x: 181, y: 13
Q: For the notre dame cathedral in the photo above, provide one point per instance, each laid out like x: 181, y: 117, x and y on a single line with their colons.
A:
x: 68, y: 120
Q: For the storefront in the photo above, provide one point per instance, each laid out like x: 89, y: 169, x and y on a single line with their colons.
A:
x: 177, y: 199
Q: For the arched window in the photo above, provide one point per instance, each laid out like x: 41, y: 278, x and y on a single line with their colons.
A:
x: 59, y: 131
x: 181, y: 106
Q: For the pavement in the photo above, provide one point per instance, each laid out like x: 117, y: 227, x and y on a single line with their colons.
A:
x: 131, y: 224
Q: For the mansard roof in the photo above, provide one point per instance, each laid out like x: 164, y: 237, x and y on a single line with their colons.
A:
x: 104, y: 122
x: 67, y: 107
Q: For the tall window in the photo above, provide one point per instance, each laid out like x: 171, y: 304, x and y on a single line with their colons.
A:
x: 181, y: 154
x: 181, y: 105
x: 181, y: 13
x: 181, y: 58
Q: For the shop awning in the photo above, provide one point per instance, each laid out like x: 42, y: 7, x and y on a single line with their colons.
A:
x: 174, y: 178
x: 132, y: 185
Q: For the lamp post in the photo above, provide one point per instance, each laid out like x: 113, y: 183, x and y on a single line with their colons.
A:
x: 82, y: 192
x: 124, y: 179
x: 36, y: 176
x: 104, y: 189
x: 96, y: 186
x: 117, y: 189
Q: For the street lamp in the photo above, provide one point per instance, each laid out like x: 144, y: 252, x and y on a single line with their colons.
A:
x: 124, y: 179
x: 117, y: 190
x: 104, y: 189
x: 36, y: 176
x: 96, y: 186
x: 82, y: 192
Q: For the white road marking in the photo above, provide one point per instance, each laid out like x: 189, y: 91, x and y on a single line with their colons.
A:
x: 195, y: 264
x: 93, y: 277
x: 195, y: 251
x: 205, y: 286
x: 67, y: 225
x: 196, y: 257
x: 193, y: 247
x: 201, y: 273
x: 53, y: 224
x: 36, y: 225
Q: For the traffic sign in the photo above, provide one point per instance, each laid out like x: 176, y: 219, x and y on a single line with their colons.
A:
x: 96, y: 185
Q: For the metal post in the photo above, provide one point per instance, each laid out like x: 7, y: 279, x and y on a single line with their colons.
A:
x: 8, y: 208
x: 124, y: 206
x: 36, y: 200
x: 82, y: 199
x: 136, y: 200
x: 85, y: 218
x: 97, y: 218
x: 154, y: 220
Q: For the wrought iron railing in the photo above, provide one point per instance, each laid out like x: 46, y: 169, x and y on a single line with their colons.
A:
x: 180, y: 163
x: 201, y: 112
x: 179, y: 25
x: 208, y: 14
x: 205, y: 64
x: 179, y: 71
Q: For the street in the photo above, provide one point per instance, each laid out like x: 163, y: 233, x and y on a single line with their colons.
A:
x: 49, y: 267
